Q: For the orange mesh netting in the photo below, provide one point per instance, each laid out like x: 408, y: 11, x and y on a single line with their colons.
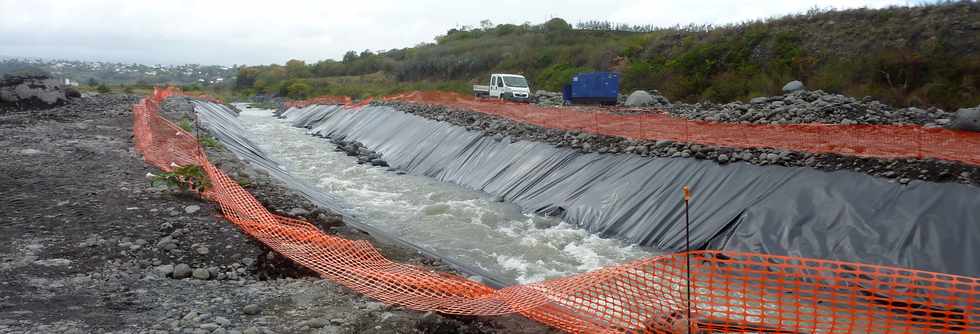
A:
x: 326, y: 99
x: 731, y: 292
x: 879, y: 141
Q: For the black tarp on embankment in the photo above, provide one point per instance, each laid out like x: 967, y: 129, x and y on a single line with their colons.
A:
x: 776, y: 210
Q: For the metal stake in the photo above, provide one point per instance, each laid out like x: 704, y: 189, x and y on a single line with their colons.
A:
x: 687, y: 253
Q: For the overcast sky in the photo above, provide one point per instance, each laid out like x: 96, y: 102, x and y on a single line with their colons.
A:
x: 264, y: 32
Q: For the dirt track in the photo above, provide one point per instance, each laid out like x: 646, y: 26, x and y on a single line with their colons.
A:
x: 87, y: 245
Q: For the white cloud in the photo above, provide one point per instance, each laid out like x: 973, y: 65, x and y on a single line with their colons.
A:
x: 260, y: 32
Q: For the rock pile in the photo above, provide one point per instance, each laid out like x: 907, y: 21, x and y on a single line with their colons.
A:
x: 546, y: 98
x: 796, y: 106
x: 802, y: 106
x: 32, y: 91
x: 363, y: 154
x: 102, y: 105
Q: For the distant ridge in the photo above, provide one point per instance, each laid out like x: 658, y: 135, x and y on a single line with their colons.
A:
x: 99, y: 72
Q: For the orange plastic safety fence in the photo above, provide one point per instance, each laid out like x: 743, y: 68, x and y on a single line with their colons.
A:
x: 326, y: 99
x: 879, y: 141
x: 160, y: 94
x: 730, y: 292
x: 204, y: 97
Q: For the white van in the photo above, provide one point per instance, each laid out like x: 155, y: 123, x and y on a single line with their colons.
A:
x: 511, y: 87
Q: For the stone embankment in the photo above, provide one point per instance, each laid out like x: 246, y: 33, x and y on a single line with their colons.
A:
x: 900, y: 170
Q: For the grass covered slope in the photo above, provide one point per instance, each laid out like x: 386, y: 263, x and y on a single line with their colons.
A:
x: 921, y: 55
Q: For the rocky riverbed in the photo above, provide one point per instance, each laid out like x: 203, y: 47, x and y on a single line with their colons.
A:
x: 899, y: 170
x: 88, y: 245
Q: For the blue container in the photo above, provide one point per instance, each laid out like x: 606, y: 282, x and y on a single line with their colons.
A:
x: 594, y: 87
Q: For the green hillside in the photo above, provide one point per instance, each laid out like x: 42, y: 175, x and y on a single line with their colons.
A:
x: 924, y: 55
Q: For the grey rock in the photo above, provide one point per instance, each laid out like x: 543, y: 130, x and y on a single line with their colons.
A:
x: 222, y: 321
x: 317, y: 323
x: 182, y: 271
x: 191, y: 209
x: 251, y: 309
x: 53, y: 262
x: 201, y: 274
x: 191, y: 316
x: 966, y: 119
x: 642, y: 98
x: 251, y: 330
x: 723, y: 158
x: 759, y: 100
x: 166, y: 270
x: 297, y: 212
x: 793, y: 86
x: 639, y: 98
x: 374, y: 306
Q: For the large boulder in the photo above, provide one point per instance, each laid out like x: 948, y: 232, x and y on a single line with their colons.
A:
x: 642, y: 98
x: 639, y: 98
x: 793, y: 86
x: 967, y: 119
x: 31, y: 90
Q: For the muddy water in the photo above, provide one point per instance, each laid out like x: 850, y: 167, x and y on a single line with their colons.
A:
x: 466, y: 225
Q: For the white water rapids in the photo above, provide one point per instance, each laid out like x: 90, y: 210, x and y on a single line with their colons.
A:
x: 466, y: 225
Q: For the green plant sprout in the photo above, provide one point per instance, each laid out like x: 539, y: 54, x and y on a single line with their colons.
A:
x: 189, y: 177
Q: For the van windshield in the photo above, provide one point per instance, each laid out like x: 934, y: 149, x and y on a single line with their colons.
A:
x: 518, y: 82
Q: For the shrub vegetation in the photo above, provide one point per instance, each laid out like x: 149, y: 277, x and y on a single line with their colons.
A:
x: 918, y: 55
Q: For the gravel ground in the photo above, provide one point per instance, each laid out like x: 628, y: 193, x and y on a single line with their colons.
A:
x: 899, y: 170
x: 87, y: 245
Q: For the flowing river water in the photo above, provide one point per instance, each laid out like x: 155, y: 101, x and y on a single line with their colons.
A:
x: 466, y: 225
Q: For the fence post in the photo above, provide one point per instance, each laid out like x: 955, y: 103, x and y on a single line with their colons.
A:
x: 918, y: 142
x: 595, y: 121
x: 687, y: 130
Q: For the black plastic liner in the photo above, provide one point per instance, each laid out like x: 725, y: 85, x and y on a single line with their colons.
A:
x: 223, y: 124
x: 775, y: 210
